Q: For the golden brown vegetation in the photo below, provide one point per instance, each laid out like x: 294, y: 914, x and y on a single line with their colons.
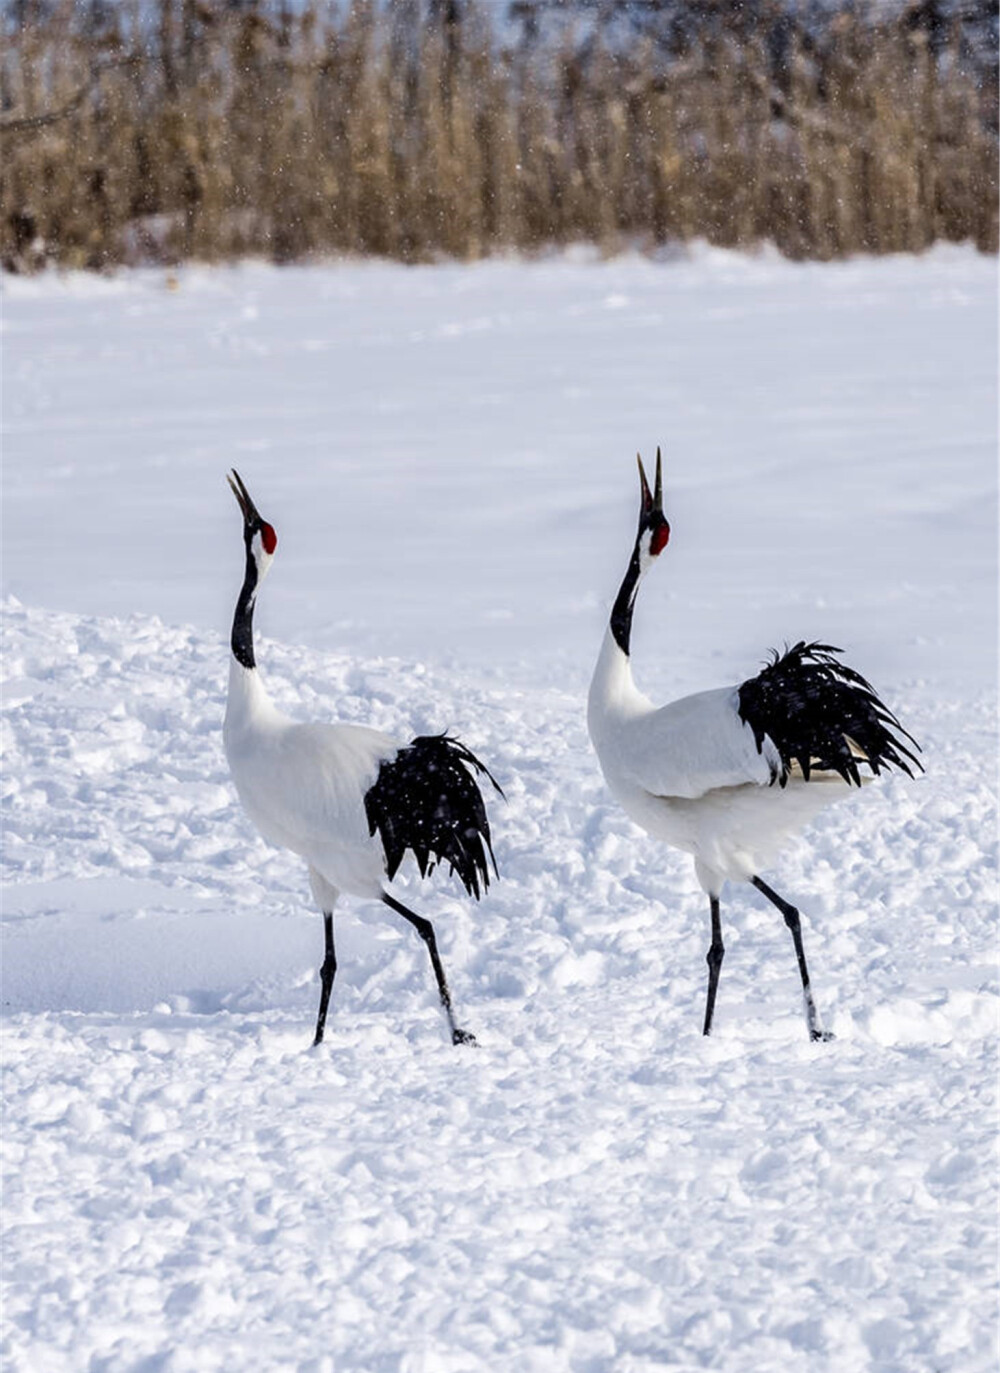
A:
x: 392, y: 128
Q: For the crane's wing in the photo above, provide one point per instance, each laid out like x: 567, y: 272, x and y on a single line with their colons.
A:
x: 694, y: 745
x: 806, y: 713
x: 820, y: 715
x: 304, y: 786
x: 427, y: 799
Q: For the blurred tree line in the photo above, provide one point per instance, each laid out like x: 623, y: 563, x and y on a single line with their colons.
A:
x: 163, y: 130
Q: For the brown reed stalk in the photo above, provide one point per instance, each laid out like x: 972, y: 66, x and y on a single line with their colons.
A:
x: 406, y: 128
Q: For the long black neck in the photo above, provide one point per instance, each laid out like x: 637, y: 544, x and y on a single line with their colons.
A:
x: 242, y: 636
x: 621, y: 613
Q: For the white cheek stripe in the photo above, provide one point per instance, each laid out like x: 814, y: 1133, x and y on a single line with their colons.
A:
x: 261, y: 556
x: 646, y: 555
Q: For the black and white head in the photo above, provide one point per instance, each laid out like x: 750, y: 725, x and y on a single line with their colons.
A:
x: 651, y: 539
x: 258, y: 536
x: 654, y: 531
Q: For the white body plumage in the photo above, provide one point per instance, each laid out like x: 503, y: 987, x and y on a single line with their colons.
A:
x: 689, y: 773
x: 304, y: 785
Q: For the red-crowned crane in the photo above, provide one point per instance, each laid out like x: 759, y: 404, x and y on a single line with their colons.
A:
x: 728, y: 775
x: 350, y: 800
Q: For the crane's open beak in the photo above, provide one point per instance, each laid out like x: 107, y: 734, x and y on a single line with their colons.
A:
x: 251, y: 515
x: 651, y: 503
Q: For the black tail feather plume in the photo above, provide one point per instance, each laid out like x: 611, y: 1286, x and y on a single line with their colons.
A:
x: 427, y: 799
x: 814, y: 708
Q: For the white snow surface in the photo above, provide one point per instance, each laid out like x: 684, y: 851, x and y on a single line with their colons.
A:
x: 447, y: 454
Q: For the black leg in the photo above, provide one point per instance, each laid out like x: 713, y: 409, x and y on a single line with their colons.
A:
x: 791, y: 915
x: 326, y: 974
x: 714, y: 957
x: 426, y: 931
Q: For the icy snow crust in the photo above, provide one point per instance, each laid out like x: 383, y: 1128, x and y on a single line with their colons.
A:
x: 447, y: 455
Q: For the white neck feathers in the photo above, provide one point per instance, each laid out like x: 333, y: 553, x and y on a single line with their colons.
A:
x: 614, y: 696
x: 248, y: 706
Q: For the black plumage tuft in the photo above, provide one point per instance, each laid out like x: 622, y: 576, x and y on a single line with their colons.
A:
x: 427, y: 799
x: 814, y: 708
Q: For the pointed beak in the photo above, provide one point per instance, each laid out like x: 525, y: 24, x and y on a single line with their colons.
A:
x: 652, y: 502
x: 250, y: 513
x: 647, y: 499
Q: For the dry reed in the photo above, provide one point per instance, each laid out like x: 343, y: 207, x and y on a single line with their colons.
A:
x: 407, y: 128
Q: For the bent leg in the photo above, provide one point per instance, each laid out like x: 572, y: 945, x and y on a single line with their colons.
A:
x: 426, y: 931
x: 816, y: 1031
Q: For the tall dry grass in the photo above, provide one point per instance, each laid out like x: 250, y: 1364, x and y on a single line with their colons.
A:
x: 407, y: 128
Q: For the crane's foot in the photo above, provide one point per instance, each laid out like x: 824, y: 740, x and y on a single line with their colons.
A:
x: 821, y: 1036
x: 463, y: 1037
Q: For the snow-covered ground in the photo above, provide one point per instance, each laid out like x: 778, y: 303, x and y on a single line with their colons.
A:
x: 448, y: 457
